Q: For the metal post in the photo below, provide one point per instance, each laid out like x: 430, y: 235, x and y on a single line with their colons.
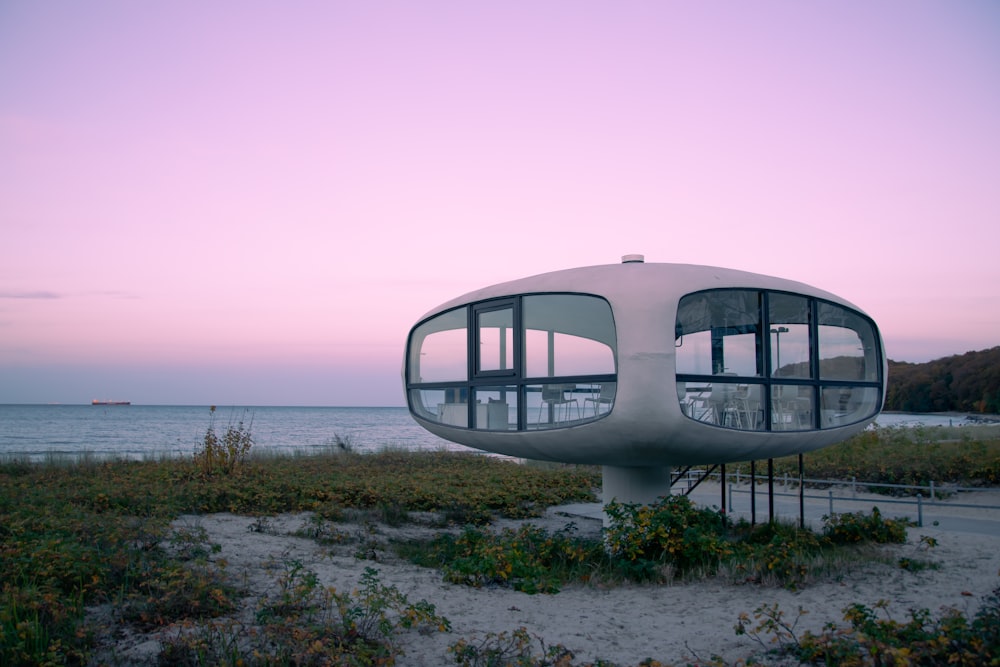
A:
x: 831, y: 502
x: 920, y: 511
x: 770, y: 490
x: 722, y: 480
x: 802, y: 493
x: 753, y: 493
x: 933, y: 495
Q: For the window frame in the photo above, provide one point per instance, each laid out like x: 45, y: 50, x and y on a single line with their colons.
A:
x: 767, y: 380
x: 516, y: 374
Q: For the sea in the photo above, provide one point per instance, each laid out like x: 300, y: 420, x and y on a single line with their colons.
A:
x: 40, y: 432
x: 43, y: 432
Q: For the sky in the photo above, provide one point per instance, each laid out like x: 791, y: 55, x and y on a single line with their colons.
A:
x: 251, y: 203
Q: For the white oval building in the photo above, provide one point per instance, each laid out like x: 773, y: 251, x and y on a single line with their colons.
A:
x: 640, y: 367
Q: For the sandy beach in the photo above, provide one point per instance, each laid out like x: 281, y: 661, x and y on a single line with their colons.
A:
x: 675, y: 624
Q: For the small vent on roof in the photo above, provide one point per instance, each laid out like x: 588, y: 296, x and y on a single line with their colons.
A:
x: 633, y: 259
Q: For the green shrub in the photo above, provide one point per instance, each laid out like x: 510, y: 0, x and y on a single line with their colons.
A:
x: 224, y: 455
x: 967, y: 455
x: 775, y: 553
x: 512, y: 649
x: 306, y: 623
x: 528, y: 559
x: 857, y: 527
x: 873, y: 639
x: 673, y: 531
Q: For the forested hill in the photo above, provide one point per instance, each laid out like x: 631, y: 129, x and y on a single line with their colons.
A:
x: 967, y: 382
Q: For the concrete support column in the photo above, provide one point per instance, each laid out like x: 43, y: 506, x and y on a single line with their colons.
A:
x: 641, y: 486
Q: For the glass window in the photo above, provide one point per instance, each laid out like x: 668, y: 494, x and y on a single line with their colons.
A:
x: 720, y: 349
x: 439, y: 349
x: 733, y: 405
x: 846, y: 405
x: 554, y: 405
x: 567, y: 334
x: 694, y: 353
x: 846, y: 345
x: 792, y: 407
x: 718, y: 332
x: 598, y: 397
x: 447, y: 406
x: 789, y: 335
x: 495, y: 331
x: 537, y: 361
x: 496, y: 408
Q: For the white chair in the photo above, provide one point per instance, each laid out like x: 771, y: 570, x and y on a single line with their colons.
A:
x: 725, y: 405
x: 606, y: 397
x: 554, y: 397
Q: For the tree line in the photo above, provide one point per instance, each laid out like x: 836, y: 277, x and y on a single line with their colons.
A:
x: 967, y: 382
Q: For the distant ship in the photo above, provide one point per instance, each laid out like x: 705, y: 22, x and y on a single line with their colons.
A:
x: 98, y: 402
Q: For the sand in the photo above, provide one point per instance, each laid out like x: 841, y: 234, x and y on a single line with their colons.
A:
x: 675, y: 623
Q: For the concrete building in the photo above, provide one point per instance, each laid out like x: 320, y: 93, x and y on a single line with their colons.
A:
x: 641, y: 367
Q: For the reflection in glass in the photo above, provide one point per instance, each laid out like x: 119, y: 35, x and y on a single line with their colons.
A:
x: 732, y: 405
x: 719, y: 349
x: 496, y: 339
x: 719, y: 332
x: 446, y: 406
x: 600, y: 398
x: 532, y: 342
x: 846, y: 405
x: 439, y: 349
x: 567, y: 334
x: 846, y: 345
x: 496, y: 408
x: 553, y: 405
x: 789, y: 336
x: 791, y: 407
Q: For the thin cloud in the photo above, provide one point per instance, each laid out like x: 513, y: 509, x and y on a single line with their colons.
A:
x: 37, y: 294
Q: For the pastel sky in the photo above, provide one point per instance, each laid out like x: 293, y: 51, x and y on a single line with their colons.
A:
x: 252, y: 202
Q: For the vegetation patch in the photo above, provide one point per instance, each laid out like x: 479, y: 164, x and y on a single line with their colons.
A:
x: 89, y: 534
x: 873, y: 637
x: 670, y: 540
x: 966, y: 456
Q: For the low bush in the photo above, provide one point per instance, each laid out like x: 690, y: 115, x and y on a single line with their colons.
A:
x: 307, y: 624
x: 80, y: 534
x: 873, y: 638
x: 76, y: 534
x: 672, y: 531
x: 655, y: 543
x: 968, y: 456
x: 528, y: 559
x: 856, y: 527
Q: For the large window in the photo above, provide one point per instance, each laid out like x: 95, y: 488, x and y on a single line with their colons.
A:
x: 528, y: 362
x: 772, y: 361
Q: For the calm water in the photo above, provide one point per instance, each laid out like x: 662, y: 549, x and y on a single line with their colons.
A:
x: 139, y: 431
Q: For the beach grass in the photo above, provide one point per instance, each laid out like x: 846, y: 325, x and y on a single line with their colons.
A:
x: 960, y: 456
x: 76, y: 534
x: 88, y: 533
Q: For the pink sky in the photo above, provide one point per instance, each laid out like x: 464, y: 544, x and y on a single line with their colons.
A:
x: 252, y: 202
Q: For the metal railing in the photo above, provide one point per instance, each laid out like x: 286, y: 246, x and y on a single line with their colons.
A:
x: 918, y: 495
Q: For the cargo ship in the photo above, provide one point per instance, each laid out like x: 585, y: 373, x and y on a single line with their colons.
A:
x: 100, y: 402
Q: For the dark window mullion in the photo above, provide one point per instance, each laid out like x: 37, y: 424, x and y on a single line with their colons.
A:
x: 814, y: 362
x: 471, y: 360
x: 765, y: 317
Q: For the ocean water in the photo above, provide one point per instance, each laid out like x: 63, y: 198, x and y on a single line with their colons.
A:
x: 35, y: 432
x: 141, y: 431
